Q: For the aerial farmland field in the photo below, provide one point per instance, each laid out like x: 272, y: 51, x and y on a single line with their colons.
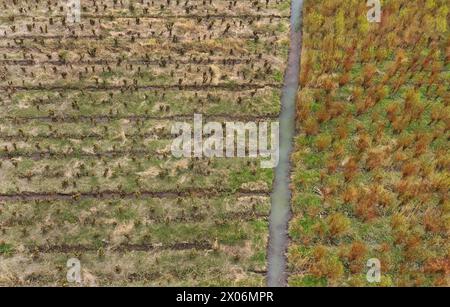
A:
x: 85, y: 131
x: 371, y: 164
x: 102, y: 185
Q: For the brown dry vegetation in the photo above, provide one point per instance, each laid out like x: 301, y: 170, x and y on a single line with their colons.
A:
x: 371, y: 167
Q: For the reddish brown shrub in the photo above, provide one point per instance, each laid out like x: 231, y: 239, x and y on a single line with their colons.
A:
x: 311, y: 127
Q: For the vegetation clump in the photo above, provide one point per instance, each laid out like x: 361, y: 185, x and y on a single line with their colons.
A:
x: 371, y: 173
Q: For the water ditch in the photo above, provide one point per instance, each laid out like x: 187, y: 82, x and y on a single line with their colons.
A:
x: 281, y: 196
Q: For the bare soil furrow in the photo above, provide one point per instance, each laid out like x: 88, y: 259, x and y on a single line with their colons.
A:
x: 185, y: 87
x: 189, y: 192
x: 107, y: 118
x: 65, y: 248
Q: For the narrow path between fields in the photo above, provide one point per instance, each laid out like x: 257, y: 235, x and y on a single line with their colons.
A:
x: 281, y: 195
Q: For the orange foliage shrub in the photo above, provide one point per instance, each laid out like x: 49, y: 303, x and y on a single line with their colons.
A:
x: 350, y: 169
x: 338, y: 225
x: 368, y: 74
x: 323, y: 142
x: 350, y: 195
x: 311, y: 127
x: 326, y: 265
x: 358, y: 251
x: 409, y: 169
x: 323, y: 115
x: 303, y: 109
x: 366, y: 207
x: 375, y: 159
x: 344, y: 79
x: 342, y: 130
x: 432, y: 220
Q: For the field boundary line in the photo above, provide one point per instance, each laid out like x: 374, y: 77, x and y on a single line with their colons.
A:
x: 187, y: 192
